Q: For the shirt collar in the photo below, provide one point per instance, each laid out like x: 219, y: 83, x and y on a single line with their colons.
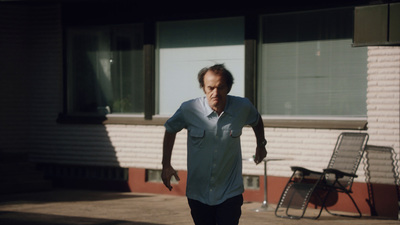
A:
x: 227, y: 110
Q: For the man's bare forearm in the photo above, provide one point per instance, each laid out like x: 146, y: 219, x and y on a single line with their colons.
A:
x: 168, y: 144
x: 261, y: 152
x: 259, y: 130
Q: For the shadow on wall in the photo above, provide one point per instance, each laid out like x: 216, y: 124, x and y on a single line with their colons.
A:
x: 32, y: 97
x: 382, y: 178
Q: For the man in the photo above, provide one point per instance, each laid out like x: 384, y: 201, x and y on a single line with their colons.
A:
x: 214, y: 123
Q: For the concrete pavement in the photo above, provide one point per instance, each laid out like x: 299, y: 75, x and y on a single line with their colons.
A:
x: 87, y: 207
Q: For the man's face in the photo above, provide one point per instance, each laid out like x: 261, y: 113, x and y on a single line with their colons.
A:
x: 216, y: 91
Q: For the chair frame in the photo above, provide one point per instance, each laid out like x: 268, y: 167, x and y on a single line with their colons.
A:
x: 321, y: 182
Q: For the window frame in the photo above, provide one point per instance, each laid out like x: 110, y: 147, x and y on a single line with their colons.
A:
x: 68, y: 113
x: 306, y: 122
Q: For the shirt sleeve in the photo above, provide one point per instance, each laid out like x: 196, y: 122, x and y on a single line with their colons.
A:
x: 176, y: 123
x: 253, y: 114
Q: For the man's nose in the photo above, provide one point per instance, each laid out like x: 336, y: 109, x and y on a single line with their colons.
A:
x: 215, y: 92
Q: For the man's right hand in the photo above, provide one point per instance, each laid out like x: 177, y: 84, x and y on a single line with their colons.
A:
x: 166, y: 175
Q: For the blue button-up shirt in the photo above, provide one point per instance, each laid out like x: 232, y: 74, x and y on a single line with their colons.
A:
x: 214, y: 158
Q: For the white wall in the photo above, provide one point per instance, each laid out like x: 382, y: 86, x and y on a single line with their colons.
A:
x: 383, y: 96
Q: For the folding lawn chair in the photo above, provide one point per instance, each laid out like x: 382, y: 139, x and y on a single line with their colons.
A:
x: 306, y: 185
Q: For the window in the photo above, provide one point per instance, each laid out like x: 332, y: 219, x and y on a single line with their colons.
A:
x: 185, y: 47
x: 105, y: 70
x: 309, y: 68
x: 155, y: 176
x: 251, y: 182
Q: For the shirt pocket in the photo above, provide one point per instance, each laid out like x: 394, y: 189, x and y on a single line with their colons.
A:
x: 236, y: 133
x: 196, y: 137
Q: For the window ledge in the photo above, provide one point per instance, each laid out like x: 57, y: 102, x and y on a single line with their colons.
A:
x: 317, y: 123
x: 133, y: 119
x: 277, y: 122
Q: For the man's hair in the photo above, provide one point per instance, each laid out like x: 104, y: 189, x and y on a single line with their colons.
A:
x: 218, y: 69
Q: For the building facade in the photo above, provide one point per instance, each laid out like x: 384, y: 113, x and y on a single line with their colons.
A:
x: 87, y: 86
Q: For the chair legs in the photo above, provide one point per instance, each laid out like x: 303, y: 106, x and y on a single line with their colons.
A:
x: 295, y: 199
x: 344, y: 215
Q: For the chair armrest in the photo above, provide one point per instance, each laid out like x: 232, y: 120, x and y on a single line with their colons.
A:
x: 339, y: 173
x: 305, y: 171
